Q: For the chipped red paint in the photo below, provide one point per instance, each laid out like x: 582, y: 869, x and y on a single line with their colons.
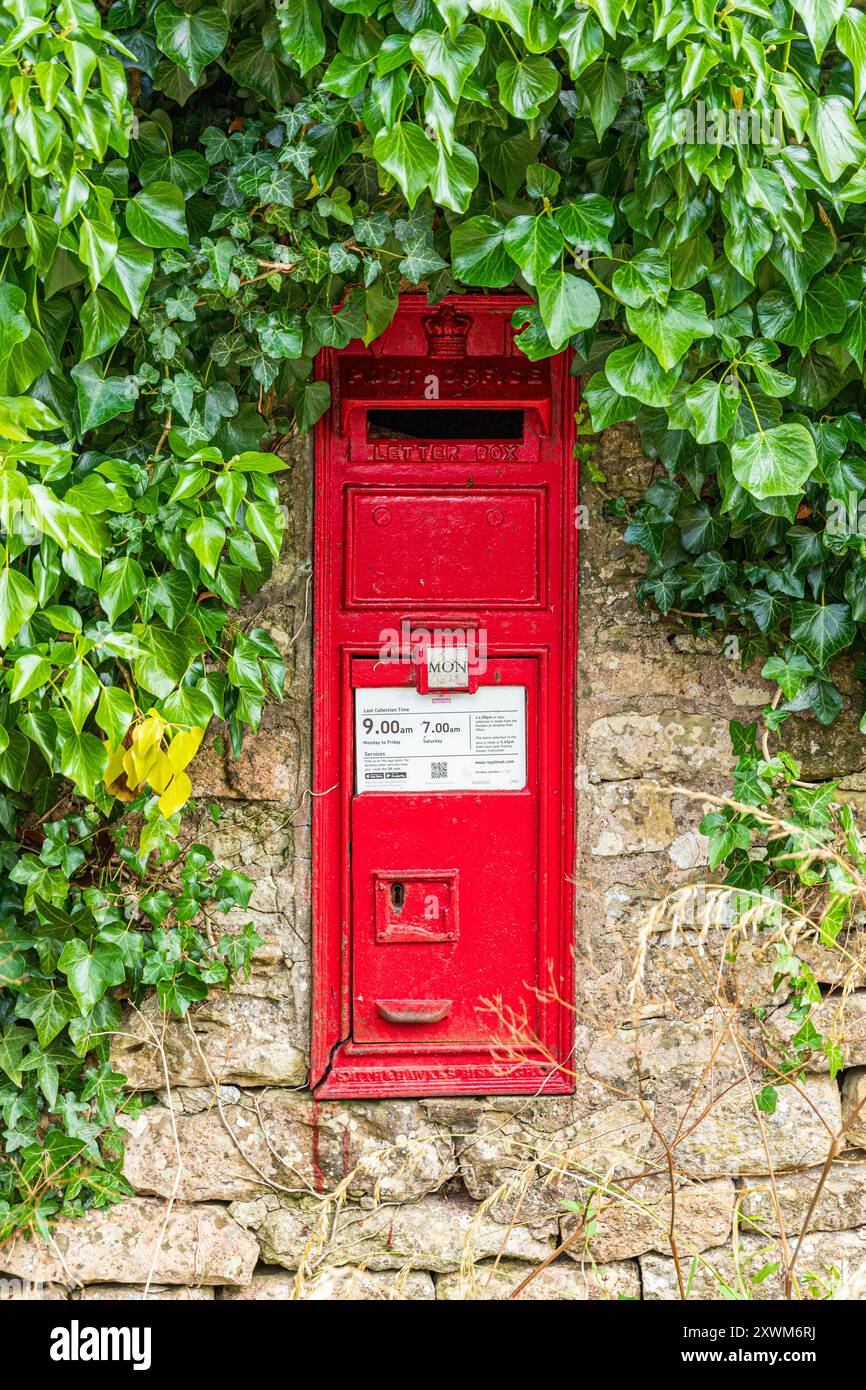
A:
x: 428, y: 527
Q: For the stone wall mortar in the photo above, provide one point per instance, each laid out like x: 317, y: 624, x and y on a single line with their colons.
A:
x: 282, y: 1197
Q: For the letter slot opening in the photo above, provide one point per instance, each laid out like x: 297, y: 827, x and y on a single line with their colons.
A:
x: 439, y: 422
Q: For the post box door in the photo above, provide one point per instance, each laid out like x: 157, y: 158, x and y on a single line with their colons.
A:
x: 445, y: 856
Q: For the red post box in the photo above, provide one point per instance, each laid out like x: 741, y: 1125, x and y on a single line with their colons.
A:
x: 444, y: 647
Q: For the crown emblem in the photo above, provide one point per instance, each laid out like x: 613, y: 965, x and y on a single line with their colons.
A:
x: 447, y: 330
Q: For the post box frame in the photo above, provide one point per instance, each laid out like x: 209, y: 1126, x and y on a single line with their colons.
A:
x: 344, y: 457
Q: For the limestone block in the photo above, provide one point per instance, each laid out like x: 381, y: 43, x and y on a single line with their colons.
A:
x: 293, y: 1141
x: 268, y: 768
x: 638, y: 1219
x: 126, y: 1244
x: 833, y: 752
x: 726, y: 1139
x: 562, y: 1281
x: 340, y: 1284
x: 437, y: 1233
x: 662, y: 1049
x: 854, y: 1107
x: 754, y: 967
x: 629, y: 817
x: 842, y: 1020
x: 133, y: 1293
x: 841, y: 1204
x: 672, y: 743
x: 520, y: 1165
x: 826, y: 1259
x: 247, y: 1038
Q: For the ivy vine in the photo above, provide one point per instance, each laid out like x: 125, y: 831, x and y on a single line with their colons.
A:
x: 194, y: 199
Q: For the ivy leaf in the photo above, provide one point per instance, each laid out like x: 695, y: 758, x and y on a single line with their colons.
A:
x: 302, y: 33
x: 587, y: 221
x: 81, y: 688
x: 261, y: 69
x: 822, y: 630
x: 114, y: 713
x: 525, y: 84
x: 18, y: 603
x: 583, y: 41
x: 83, y: 759
x: 156, y: 216
x: 607, y: 406
x: 448, y: 60
x: 100, y: 399
x: 534, y: 243
x: 479, y: 255
x: 14, y: 323
x: 646, y: 276
x: 821, y: 313
x: 48, y: 1008
x: 310, y: 402
x: 635, y: 371
x: 97, y: 248
x: 191, y: 40
x: 206, y: 538
x: 91, y: 973
x: 29, y: 673
x: 409, y: 156
x: 455, y: 179
x: 835, y: 137
x: 515, y: 13
x: 568, y: 305
x: 122, y: 582
x: 713, y: 406
x: 130, y: 273
x: 819, y: 18
x: 604, y: 85
x: 775, y: 462
x: 851, y: 39
x: 103, y: 323
x: 671, y: 328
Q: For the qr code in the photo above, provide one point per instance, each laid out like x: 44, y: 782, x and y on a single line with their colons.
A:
x: 438, y: 771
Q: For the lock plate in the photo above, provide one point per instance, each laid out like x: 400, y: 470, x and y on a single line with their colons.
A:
x: 415, y: 906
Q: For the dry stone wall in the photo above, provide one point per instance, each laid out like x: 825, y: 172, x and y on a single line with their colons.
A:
x: 247, y: 1188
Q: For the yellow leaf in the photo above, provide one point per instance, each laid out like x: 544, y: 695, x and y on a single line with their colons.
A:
x: 114, y: 775
x: 159, y: 771
x: 176, y: 794
x: 184, y: 747
x: 148, y: 733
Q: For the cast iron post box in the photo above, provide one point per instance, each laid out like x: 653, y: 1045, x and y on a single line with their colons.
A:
x: 444, y: 646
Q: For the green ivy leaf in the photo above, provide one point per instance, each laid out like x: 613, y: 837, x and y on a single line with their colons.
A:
x: 156, y: 216
x: 775, y: 462
x: 18, y: 603
x: 822, y: 630
x: 449, y: 60
x: 303, y: 36
x: 121, y: 584
x: 525, y: 84
x: 479, y: 255
x: 91, y: 972
x: 191, y: 40
x: 407, y: 154
x: 568, y: 305
x: 670, y: 329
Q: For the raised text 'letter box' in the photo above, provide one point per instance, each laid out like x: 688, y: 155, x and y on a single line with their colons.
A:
x: 444, y: 646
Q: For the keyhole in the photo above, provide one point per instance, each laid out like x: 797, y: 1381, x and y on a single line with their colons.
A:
x: 398, y: 897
